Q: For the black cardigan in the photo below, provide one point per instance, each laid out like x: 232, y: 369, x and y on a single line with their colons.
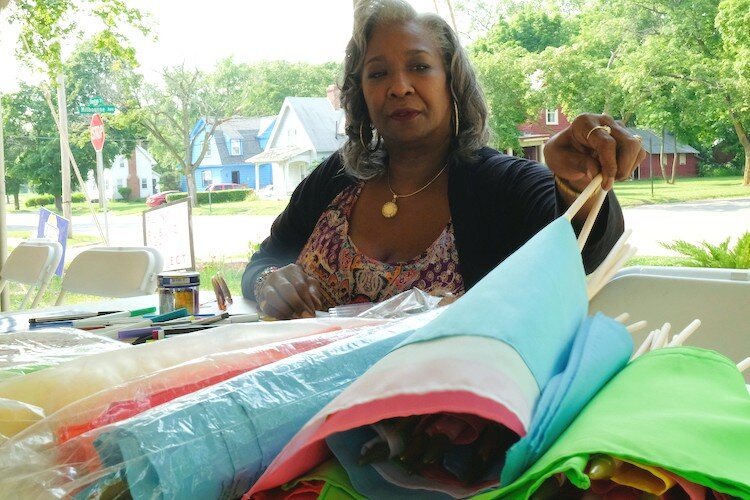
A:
x: 497, y: 203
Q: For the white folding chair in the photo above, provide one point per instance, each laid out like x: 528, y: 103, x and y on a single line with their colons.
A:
x: 32, y: 263
x: 112, y: 272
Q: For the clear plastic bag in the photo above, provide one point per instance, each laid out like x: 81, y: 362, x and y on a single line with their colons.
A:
x: 404, y: 304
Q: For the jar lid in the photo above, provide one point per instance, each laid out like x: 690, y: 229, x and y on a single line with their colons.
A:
x: 179, y: 278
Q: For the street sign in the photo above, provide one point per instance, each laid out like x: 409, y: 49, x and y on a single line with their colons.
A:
x: 97, y: 132
x: 94, y: 106
x: 91, y: 110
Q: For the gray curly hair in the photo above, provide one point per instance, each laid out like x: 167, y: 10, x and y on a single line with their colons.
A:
x: 472, y: 109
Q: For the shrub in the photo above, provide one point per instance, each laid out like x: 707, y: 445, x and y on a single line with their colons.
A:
x: 217, y: 196
x: 708, y: 255
x: 125, y: 192
x: 40, y: 200
x: 169, y: 181
x: 77, y: 197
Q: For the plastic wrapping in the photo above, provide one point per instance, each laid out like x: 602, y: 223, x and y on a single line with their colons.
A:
x: 404, y: 304
x: 53, y: 388
x: 33, y: 350
x: 212, y: 443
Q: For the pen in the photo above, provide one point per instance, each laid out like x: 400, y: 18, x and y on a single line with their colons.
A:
x: 114, y: 315
x: 62, y: 318
x: 211, y: 319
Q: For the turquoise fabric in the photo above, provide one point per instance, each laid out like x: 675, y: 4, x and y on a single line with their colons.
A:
x: 535, y: 301
x: 601, y: 349
x: 684, y: 409
x: 216, y: 442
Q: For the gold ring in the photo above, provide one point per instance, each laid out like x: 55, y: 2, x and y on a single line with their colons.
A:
x: 606, y: 129
x: 638, y: 138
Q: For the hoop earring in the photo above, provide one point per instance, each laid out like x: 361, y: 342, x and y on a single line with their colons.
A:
x: 455, y: 118
x: 362, y: 140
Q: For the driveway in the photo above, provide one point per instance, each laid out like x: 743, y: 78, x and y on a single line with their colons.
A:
x: 227, y: 237
x: 712, y: 221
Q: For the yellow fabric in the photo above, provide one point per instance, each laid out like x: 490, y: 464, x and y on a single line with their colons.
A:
x: 642, y: 477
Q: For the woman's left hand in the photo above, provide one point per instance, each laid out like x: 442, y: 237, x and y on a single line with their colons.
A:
x: 593, y: 144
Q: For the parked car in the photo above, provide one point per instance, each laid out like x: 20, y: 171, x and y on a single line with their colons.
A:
x: 224, y: 187
x: 159, y: 198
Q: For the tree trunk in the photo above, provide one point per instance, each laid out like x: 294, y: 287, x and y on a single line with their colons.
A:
x: 662, y: 159
x: 16, y: 201
x: 58, y: 202
x: 744, y: 140
x: 192, y: 190
x: 674, y: 160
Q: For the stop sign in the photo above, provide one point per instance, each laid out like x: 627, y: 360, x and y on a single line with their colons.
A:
x: 97, y: 132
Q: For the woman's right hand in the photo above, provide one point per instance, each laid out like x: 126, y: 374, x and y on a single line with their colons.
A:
x: 288, y: 293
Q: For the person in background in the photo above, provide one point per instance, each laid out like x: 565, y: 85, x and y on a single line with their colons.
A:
x: 415, y: 198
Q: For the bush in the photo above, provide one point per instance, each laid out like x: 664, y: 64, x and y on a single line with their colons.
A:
x: 169, y: 181
x: 706, y: 169
x: 708, y: 255
x: 40, y: 200
x: 77, y: 197
x: 125, y: 192
x: 217, y: 196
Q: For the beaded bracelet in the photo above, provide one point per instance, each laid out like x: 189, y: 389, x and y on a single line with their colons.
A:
x: 260, y: 280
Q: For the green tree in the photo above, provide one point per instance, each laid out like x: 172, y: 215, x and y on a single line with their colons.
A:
x: 45, y: 26
x: 270, y: 82
x: 182, y: 115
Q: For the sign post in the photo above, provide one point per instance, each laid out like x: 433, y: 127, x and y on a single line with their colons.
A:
x: 97, y: 140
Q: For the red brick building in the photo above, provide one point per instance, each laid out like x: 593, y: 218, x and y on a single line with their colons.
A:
x: 550, y: 121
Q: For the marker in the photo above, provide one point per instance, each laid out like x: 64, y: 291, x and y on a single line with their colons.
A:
x: 177, y: 313
x: 114, y: 330
x: 139, y: 332
x: 244, y: 318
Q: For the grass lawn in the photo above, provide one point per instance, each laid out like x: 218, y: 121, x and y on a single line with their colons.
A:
x: 632, y: 193
x: 255, y: 207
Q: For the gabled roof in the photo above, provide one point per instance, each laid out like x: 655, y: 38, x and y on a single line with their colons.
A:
x: 319, y: 119
x: 652, y: 142
x: 238, y: 128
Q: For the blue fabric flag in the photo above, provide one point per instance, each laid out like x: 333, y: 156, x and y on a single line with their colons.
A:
x: 601, y: 349
x: 534, y: 300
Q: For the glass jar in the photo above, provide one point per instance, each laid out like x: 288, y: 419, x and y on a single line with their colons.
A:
x: 178, y: 289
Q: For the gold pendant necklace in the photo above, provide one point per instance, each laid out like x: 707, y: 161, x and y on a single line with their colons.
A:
x: 390, y: 208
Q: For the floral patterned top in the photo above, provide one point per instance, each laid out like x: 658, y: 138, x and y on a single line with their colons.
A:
x: 348, y: 276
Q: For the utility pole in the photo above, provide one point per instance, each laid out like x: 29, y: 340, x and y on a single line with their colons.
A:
x: 4, y: 300
x: 62, y: 113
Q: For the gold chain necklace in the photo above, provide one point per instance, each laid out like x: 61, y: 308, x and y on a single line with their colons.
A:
x: 389, y: 208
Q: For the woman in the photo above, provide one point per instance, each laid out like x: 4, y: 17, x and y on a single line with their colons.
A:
x: 415, y: 198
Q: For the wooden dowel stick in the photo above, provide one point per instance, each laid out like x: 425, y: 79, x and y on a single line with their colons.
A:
x: 681, y: 337
x: 583, y: 197
x: 638, y: 325
x: 743, y: 365
x: 583, y: 236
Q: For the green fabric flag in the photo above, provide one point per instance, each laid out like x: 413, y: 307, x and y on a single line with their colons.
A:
x: 684, y: 409
x: 337, y: 485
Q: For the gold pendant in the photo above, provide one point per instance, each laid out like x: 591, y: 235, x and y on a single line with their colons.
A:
x: 389, y: 209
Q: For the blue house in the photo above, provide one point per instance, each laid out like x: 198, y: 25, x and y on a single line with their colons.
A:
x: 233, y: 142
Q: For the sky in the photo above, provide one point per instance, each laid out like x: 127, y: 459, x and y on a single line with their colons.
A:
x: 201, y: 33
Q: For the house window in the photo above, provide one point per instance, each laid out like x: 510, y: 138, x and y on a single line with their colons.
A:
x: 682, y: 159
x: 144, y: 183
x: 235, y: 147
x: 206, y: 177
x: 551, y: 116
